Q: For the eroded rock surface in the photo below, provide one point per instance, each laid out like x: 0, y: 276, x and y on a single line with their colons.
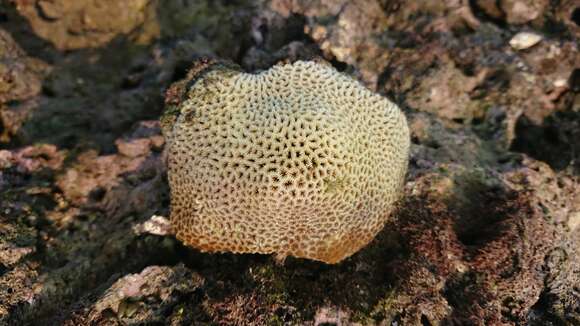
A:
x: 488, y: 232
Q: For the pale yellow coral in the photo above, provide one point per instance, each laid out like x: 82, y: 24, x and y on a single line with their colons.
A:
x: 297, y: 160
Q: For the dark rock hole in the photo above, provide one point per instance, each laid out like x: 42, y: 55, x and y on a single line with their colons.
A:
x: 482, y: 15
x: 476, y: 121
x: 575, y: 17
x: 133, y: 78
x: 574, y: 81
x: 390, y: 7
x: 499, y: 78
x: 540, y: 310
x: 13, y: 103
x: 425, y: 321
x: 295, y: 29
x: 481, y: 231
x: 42, y: 13
x: 48, y: 91
x: 554, y: 141
x: 482, y: 221
x: 46, y: 202
x: 338, y: 65
x: 432, y: 144
x: 284, y: 313
x: 97, y: 194
x: 181, y: 69
x: 468, y: 69
x: 456, y: 290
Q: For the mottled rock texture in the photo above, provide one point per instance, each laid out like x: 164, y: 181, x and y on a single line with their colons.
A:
x: 487, y: 233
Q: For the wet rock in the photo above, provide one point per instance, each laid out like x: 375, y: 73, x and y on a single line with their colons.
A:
x: 135, y: 147
x: 93, y: 96
x: 490, y: 8
x: 574, y: 221
x: 344, y: 39
x: 95, y: 172
x: 10, y: 255
x: 20, y: 82
x: 550, y: 140
x: 560, y: 200
x: 434, y: 144
x: 568, y: 13
x: 522, y: 11
x: 331, y: 315
x: 16, y: 289
x: 24, y: 195
x: 20, y: 75
x: 278, y: 37
x: 469, y: 265
x: 90, y: 23
x: 35, y: 213
x: 256, y: 59
x: 100, y: 180
x: 445, y: 92
x: 545, y: 123
x: 150, y: 295
x: 33, y: 158
x: 80, y: 24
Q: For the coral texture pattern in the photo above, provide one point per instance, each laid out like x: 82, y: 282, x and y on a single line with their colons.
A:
x: 297, y: 160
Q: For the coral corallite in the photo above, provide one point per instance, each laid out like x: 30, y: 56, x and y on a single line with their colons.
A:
x: 296, y: 160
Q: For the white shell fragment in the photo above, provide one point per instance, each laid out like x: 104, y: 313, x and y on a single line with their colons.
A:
x: 525, y: 40
x: 156, y: 225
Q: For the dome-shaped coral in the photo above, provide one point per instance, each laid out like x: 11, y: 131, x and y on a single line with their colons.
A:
x: 297, y: 160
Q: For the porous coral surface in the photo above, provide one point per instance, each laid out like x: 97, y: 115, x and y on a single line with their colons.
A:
x: 297, y: 160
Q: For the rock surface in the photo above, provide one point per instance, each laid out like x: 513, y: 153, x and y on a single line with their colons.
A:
x: 488, y: 232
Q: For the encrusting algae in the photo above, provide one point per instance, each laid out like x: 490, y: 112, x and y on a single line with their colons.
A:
x: 296, y: 160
